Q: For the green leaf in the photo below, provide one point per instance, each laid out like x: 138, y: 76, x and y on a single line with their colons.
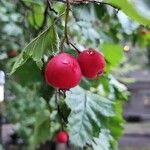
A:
x: 46, y: 43
x: 41, y: 128
x: 130, y: 9
x: 87, y: 112
x: 113, y: 53
x: 116, y: 124
x: 103, y: 141
x: 36, y: 16
x: 23, y: 72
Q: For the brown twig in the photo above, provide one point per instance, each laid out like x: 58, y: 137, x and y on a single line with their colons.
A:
x: 62, y: 44
x: 65, y: 38
x: 50, y: 7
x: 80, y: 2
x: 66, y: 21
x: 61, y: 116
x: 74, y: 47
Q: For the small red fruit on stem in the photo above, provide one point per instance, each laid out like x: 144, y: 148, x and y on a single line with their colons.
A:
x: 62, y: 137
x: 92, y: 63
x: 63, y: 72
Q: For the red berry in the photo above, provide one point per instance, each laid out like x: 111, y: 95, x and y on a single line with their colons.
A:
x: 63, y: 72
x: 12, y: 53
x: 92, y: 63
x: 62, y: 137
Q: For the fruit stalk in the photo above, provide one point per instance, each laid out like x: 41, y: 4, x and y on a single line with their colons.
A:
x: 61, y: 117
x: 66, y: 21
x: 65, y: 38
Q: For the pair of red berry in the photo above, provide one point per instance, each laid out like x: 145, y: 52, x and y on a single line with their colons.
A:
x: 64, y: 71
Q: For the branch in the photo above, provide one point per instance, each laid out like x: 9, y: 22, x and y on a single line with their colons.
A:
x: 80, y: 2
x: 66, y: 21
x: 50, y: 7
x: 61, y: 116
x: 74, y: 47
x: 65, y: 38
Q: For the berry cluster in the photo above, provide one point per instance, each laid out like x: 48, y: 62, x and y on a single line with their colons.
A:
x: 64, y: 71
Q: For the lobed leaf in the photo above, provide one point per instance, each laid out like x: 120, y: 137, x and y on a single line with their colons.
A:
x: 103, y: 141
x: 87, y: 113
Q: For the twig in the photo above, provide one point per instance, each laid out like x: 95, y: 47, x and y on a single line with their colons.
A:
x: 50, y: 7
x: 80, y: 2
x: 66, y: 21
x: 74, y: 47
x: 65, y: 38
x: 58, y: 108
x: 56, y: 19
x: 61, y: 116
x: 62, y: 44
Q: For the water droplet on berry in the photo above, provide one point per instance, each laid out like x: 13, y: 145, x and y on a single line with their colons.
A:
x: 90, y: 52
x: 65, y: 62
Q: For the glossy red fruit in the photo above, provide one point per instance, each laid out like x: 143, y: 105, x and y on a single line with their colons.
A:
x: 62, y: 137
x: 63, y: 72
x: 92, y: 63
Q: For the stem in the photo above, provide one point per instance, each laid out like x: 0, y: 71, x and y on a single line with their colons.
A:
x: 59, y: 17
x: 61, y: 117
x: 80, y: 2
x: 62, y: 44
x: 50, y: 7
x: 65, y: 38
x: 74, y: 47
x: 66, y: 21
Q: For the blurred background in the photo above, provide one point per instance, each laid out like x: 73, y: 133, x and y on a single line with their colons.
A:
x: 124, y: 43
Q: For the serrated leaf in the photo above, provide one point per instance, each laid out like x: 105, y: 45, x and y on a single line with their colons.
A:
x: 46, y: 43
x: 130, y: 9
x: 87, y: 112
x: 103, y: 141
x: 41, y: 128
